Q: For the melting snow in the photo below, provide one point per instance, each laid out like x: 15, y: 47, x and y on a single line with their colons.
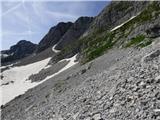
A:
x: 15, y: 80
x: 1, y: 67
x: 48, y: 66
x: 4, y: 55
x: 54, y: 50
x: 19, y: 75
x: 124, y: 23
x: 70, y: 64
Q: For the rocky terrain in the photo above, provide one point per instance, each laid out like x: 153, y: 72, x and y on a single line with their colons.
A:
x: 123, y: 84
x: 75, y: 31
x: 116, y: 13
x: 102, y: 68
x: 53, y: 36
x: 22, y: 49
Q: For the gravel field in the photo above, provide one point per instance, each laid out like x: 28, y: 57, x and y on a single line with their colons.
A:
x: 120, y: 85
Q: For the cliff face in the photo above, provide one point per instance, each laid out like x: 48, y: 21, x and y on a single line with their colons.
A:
x: 116, y: 13
x: 116, y: 26
x: 53, y: 36
x: 75, y: 31
x: 121, y: 26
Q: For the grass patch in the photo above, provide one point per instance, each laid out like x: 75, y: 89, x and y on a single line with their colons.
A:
x: 135, y: 41
x: 98, y: 46
x: 145, y: 43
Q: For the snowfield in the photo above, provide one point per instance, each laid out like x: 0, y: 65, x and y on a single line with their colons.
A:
x: 115, y: 28
x: 15, y: 80
x: 2, y: 67
x: 70, y: 64
x: 54, y: 50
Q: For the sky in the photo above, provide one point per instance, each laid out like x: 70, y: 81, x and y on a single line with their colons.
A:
x: 31, y: 20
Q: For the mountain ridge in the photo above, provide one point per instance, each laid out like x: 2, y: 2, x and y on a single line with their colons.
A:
x: 18, y: 51
x: 53, y: 36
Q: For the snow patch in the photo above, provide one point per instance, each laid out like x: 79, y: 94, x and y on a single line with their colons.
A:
x: 4, y: 55
x: 70, y: 64
x: 124, y: 23
x: 48, y: 66
x: 16, y: 77
x: 2, y: 67
x: 20, y: 74
x: 54, y: 50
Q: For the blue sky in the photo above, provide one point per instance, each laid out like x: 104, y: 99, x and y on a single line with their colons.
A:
x: 31, y: 20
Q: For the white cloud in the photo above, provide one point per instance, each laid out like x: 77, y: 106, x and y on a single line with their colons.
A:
x: 28, y: 32
x: 10, y: 7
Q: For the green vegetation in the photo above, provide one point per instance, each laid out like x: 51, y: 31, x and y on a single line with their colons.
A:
x: 144, y: 16
x: 145, y: 43
x: 135, y: 41
x: 100, y: 41
x: 139, y: 41
x: 97, y: 45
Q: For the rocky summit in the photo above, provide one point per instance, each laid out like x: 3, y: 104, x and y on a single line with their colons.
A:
x: 22, y: 49
x: 105, y: 67
x: 53, y: 36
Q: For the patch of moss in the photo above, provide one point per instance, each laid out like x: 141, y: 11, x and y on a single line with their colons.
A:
x: 98, y: 46
x: 135, y: 41
x: 145, y: 43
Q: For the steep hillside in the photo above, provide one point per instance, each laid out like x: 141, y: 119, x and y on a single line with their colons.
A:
x: 53, y: 36
x: 102, y: 68
x: 120, y: 24
x: 75, y: 31
x: 116, y: 13
x: 122, y: 84
x: 138, y: 31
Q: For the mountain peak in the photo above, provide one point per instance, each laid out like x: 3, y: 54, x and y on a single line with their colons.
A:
x: 53, y: 36
x: 23, y: 42
x: 75, y: 31
x: 22, y: 49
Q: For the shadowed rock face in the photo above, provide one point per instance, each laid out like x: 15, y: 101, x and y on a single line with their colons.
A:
x: 53, y: 36
x: 154, y: 31
x: 22, y: 49
x: 75, y: 31
x: 116, y: 13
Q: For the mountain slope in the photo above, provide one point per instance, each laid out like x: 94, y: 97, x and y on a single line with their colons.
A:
x: 74, y: 32
x: 53, y: 36
x: 137, y: 20
x: 22, y: 49
x: 114, y: 86
x: 110, y: 71
x: 116, y: 13
x: 137, y: 31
